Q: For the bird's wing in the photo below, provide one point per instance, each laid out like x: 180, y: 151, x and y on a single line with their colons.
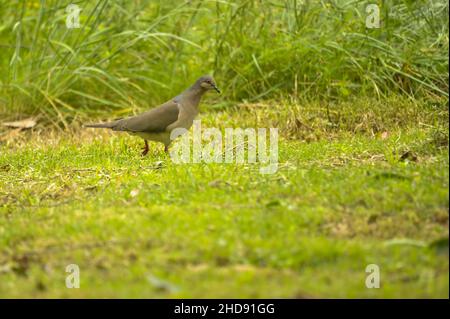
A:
x: 153, y: 121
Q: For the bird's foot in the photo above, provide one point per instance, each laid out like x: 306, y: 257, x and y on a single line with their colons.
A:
x: 145, y: 149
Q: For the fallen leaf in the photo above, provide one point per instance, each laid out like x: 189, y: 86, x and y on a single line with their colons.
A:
x: 217, y: 183
x: 156, y: 165
x: 340, y: 229
x: 162, y: 284
x: 27, y: 123
x: 134, y: 192
x: 10, y: 135
x: 5, y: 268
x: 408, y: 155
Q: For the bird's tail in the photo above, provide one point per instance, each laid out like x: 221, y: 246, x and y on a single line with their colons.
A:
x: 100, y: 125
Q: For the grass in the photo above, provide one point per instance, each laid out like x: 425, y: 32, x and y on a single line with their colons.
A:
x: 364, y: 164
x: 345, y: 196
x: 130, y: 53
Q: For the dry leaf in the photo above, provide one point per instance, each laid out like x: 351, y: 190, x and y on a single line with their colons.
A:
x: 158, y: 164
x: 27, y: 123
x: 10, y: 135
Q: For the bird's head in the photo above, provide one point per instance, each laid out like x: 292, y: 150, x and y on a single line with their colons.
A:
x: 207, y: 82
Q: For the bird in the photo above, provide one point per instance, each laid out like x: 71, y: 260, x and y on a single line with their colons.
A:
x: 157, y: 123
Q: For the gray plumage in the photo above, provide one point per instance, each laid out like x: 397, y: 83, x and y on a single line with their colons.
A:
x: 157, y: 123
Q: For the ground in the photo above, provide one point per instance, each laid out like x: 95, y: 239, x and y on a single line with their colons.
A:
x: 366, y: 191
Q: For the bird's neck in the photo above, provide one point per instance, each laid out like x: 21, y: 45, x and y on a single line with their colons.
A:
x: 192, y: 96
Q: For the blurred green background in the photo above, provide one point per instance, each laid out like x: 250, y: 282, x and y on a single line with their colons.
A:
x: 130, y: 54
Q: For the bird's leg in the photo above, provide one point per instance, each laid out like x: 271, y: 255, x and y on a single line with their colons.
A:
x: 145, y: 149
x: 166, y: 149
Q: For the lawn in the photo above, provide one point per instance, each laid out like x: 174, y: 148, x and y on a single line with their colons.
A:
x: 363, y: 183
x: 362, y: 115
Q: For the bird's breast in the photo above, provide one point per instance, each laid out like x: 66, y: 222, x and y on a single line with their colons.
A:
x: 185, y: 118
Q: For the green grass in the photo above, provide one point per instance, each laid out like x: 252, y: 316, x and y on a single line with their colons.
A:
x: 130, y: 53
x: 342, y: 199
x: 364, y: 163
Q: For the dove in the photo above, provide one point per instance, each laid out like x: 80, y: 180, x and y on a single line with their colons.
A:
x: 158, y: 123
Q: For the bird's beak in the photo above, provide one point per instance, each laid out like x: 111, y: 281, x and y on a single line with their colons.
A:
x: 215, y: 88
